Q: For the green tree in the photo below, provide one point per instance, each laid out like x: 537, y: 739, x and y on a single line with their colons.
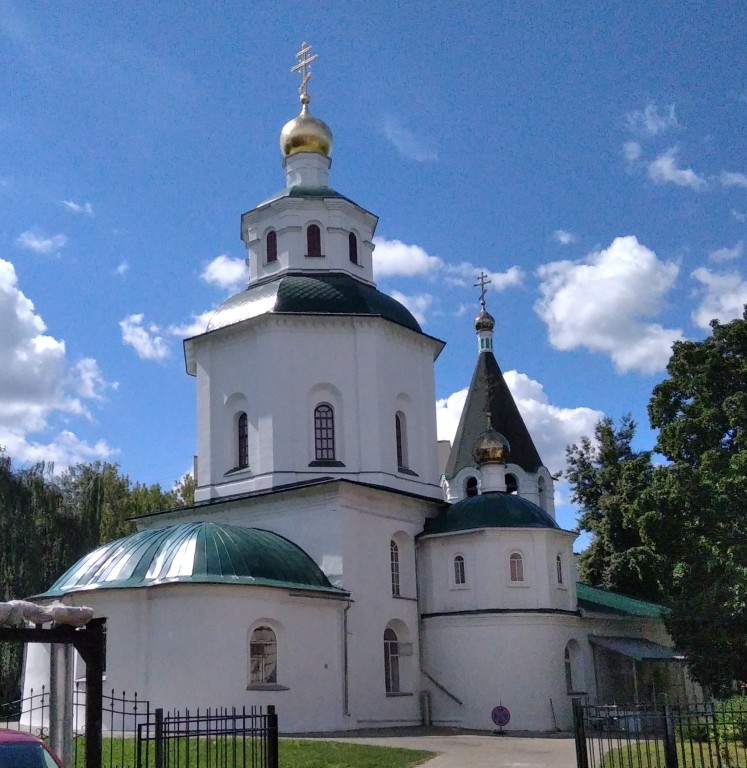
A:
x: 697, y: 503
x: 608, y: 479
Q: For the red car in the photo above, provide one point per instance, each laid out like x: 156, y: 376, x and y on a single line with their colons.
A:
x: 22, y: 750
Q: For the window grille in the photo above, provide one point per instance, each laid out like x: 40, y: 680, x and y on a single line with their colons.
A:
x: 263, y: 657
x: 324, y: 433
x: 391, y: 661
x: 517, y: 567
x: 394, y: 560
x: 313, y: 240
x: 243, y: 438
x: 459, y: 574
x: 559, y: 568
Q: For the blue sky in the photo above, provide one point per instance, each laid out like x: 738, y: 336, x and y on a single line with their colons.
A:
x: 591, y: 158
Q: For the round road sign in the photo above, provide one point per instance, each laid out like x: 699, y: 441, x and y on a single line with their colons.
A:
x: 500, y: 716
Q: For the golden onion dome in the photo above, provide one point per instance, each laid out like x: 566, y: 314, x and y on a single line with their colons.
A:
x: 305, y: 133
x: 490, y: 448
x: 484, y: 321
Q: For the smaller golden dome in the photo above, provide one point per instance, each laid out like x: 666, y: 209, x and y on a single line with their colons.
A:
x: 484, y: 321
x: 305, y: 134
x: 490, y: 448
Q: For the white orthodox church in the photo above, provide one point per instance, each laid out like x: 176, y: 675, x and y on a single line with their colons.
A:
x: 337, y: 562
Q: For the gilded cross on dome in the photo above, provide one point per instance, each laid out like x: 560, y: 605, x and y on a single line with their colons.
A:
x: 303, y: 67
x: 482, y: 281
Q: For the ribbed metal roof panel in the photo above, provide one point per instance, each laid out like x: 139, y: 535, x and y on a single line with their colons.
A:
x: 195, y: 552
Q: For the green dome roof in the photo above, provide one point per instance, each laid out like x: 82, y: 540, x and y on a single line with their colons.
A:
x: 326, y: 293
x: 207, y: 553
x: 490, y: 510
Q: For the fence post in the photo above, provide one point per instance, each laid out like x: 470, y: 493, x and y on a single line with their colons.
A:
x: 159, y: 737
x: 579, y: 733
x: 272, y: 737
x: 670, y: 739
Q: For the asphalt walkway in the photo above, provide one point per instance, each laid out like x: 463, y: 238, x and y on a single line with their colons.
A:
x: 469, y: 749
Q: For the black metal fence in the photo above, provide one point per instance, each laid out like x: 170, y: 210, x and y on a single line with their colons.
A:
x: 209, y: 739
x: 706, y: 736
x: 137, y: 736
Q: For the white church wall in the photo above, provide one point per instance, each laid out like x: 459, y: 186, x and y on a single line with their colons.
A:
x: 308, y: 351
x: 186, y: 646
x: 516, y: 660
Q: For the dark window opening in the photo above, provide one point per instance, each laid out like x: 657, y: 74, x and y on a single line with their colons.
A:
x: 272, y: 246
x: 313, y: 241
x: 512, y: 484
x: 243, y: 437
x: 324, y: 433
x: 470, y: 487
x: 353, y: 248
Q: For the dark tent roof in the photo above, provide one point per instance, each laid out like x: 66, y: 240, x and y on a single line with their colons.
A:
x: 505, y: 418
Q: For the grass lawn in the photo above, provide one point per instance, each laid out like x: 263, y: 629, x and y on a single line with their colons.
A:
x: 696, y: 755
x: 294, y: 753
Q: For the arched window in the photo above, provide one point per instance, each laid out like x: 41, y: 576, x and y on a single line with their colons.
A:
x: 242, y: 430
x: 353, y: 248
x: 271, y: 246
x: 568, y: 671
x: 394, y: 563
x: 313, y: 240
x: 263, y: 657
x: 459, y: 574
x: 324, y: 433
x: 573, y: 672
x: 400, y: 426
x: 512, y: 484
x: 391, y: 661
x: 559, y: 568
x: 470, y: 487
x: 516, y: 564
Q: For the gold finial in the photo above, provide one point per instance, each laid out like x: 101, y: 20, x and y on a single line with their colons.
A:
x: 482, y: 281
x: 303, y: 67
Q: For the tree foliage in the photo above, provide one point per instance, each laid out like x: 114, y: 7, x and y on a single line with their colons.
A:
x: 48, y: 522
x: 608, y: 478
x: 700, y: 498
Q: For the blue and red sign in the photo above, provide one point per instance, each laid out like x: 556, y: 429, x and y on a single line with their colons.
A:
x: 500, y: 716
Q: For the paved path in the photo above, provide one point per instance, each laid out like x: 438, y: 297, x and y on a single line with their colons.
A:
x: 479, y: 750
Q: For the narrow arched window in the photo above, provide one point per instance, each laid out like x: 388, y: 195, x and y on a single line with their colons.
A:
x: 271, y: 246
x: 353, y: 248
x: 394, y: 565
x: 568, y: 671
x: 470, y: 487
x: 400, y: 427
x: 559, y: 568
x: 516, y: 563
x: 242, y: 430
x: 324, y: 433
x: 512, y: 484
x: 459, y: 574
x: 391, y: 661
x: 313, y: 240
x: 263, y: 657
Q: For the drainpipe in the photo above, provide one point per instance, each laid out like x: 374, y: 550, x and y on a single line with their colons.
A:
x: 345, y: 684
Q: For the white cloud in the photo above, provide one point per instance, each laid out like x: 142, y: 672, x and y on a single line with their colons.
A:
x: 652, y: 122
x: 723, y: 296
x: 599, y: 303
x: 37, y: 384
x: 407, y: 143
x: 564, y: 237
x: 225, y: 272
x: 552, y: 427
x: 728, y: 254
x: 632, y: 151
x: 393, y: 258
x: 122, y: 268
x: 664, y: 170
x: 739, y: 215
x: 85, y: 209
x: 418, y: 304
x: 145, y: 341
x: 38, y: 243
x: 196, y: 326
x: 729, y: 179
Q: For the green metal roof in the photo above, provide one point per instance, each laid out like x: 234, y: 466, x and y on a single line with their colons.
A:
x: 326, y: 293
x: 208, y: 553
x: 490, y: 510
x: 597, y: 600
x: 308, y: 192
